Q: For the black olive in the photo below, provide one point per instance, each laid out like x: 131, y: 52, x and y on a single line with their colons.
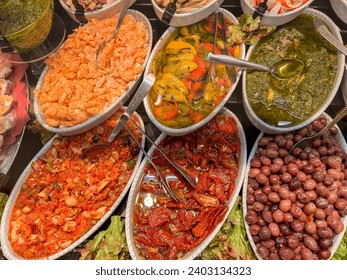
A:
x: 126, y: 142
x: 96, y: 138
x: 135, y: 151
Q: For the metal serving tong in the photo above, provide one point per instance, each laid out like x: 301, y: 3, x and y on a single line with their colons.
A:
x: 211, y: 72
x: 96, y: 149
x: 169, y: 12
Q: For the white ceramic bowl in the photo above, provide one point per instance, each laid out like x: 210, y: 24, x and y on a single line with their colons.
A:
x: 344, y: 85
x: 6, y: 217
x: 340, y: 8
x: 182, y: 19
x: 279, y: 19
x: 129, y: 223
x: 105, y: 12
x: 267, y: 128
x: 337, y: 240
x: 163, y: 41
x: 85, y: 126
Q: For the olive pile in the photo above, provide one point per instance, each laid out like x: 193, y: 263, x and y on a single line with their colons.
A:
x: 296, y: 200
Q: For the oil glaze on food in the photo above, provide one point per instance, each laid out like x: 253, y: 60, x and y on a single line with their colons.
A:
x: 64, y: 196
x: 165, y: 229
x: 296, y: 99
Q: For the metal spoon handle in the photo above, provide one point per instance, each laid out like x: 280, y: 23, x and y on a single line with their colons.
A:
x: 340, y: 115
x: 123, y: 11
x: 321, y: 28
x: 138, y: 97
x: 165, y: 186
x: 230, y: 60
x: 177, y: 167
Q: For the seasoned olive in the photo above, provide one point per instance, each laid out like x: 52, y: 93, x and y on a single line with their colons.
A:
x: 286, y: 253
x: 306, y: 254
x: 321, y: 203
x: 251, y: 218
x: 274, y: 197
x: 258, y: 207
x: 285, y: 230
x: 325, y: 232
x: 273, y: 256
x: 294, y: 184
x: 310, y: 184
x: 267, y: 216
x: 264, y: 233
x: 332, y: 198
x: 310, y: 227
x: 310, y: 208
x: 325, y: 243
x: 307, y: 168
x: 340, y: 203
x: 319, y: 214
x: 311, y: 243
x: 283, y: 193
x: 262, y: 179
x: 321, y: 223
x: 280, y: 241
x: 265, y: 160
x: 285, y: 205
x: 296, y: 225
x: 318, y: 176
x: 269, y: 244
x: 287, y: 217
x: 303, y: 198
x: 295, y: 211
x: 322, y: 190
x: 263, y: 252
x: 324, y: 254
x: 254, y: 229
x: 277, y: 216
x: 261, y: 197
x: 292, y: 241
x: 274, y: 229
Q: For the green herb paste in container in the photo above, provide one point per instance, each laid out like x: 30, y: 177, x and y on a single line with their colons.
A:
x: 296, y: 99
x: 26, y: 23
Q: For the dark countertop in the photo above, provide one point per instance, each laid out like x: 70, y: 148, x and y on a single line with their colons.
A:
x: 31, y: 143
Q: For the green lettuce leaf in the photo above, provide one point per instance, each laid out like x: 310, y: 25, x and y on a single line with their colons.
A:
x: 3, y: 200
x: 248, y: 30
x: 231, y: 241
x: 109, y: 244
x: 341, y: 252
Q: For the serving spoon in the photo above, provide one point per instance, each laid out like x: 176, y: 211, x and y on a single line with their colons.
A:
x: 282, y: 69
x: 123, y: 11
x: 308, y: 140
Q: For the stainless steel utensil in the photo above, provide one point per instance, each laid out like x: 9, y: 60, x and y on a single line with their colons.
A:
x: 231, y: 71
x: 322, y: 30
x: 123, y: 11
x: 283, y: 69
x: 166, y: 187
x: 93, y: 151
x: 308, y: 140
x: 211, y: 72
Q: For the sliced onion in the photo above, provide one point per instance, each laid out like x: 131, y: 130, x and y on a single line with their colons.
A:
x: 275, y: 10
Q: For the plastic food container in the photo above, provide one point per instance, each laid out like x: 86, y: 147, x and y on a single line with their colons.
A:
x: 163, y: 41
x: 117, y: 104
x: 182, y: 19
x: 129, y: 222
x: 341, y: 140
x: 6, y: 218
x: 277, y: 19
x: 105, y: 12
x: 267, y: 128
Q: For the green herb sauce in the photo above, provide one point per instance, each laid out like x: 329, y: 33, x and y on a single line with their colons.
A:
x: 25, y: 23
x: 296, y: 99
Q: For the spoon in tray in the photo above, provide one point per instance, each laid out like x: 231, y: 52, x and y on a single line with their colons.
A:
x: 282, y: 69
x: 122, y: 13
x: 307, y: 141
x: 93, y: 151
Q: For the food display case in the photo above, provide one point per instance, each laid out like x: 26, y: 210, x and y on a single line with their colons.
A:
x: 31, y: 141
